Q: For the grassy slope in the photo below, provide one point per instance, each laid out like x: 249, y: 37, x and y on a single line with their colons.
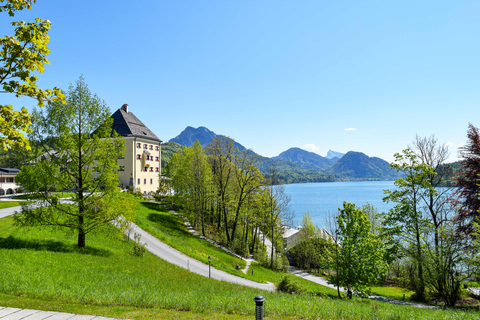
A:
x: 9, y: 204
x: 170, y: 229
x: 43, y: 269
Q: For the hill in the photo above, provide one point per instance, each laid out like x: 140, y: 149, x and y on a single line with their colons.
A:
x: 168, y: 149
x: 359, y: 166
x: 306, y: 159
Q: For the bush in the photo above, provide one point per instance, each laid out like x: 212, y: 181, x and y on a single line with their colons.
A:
x: 139, y: 248
x: 289, y: 285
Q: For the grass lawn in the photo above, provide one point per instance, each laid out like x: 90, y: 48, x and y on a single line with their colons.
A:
x: 170, y: 228
x: 35, y: 196
x: 392, y: 292
x: 42, y: 268
x: 9, y: 204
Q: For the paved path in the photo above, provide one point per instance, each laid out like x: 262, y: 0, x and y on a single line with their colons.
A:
x: 323, y: 282
x: 27, y: 314
x: 175, y: 257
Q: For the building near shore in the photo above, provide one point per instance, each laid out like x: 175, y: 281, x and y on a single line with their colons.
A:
x: 141, y: 165
x: 7, y: 181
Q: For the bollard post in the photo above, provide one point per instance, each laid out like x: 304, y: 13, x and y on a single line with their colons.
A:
x: 209, y: 260
x: 259, y: 307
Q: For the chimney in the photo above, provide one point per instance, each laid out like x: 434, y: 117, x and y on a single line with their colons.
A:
x: 125, y: 108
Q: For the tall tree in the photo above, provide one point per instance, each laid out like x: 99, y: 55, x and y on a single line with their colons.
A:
x: 247, y: 181
x: 360, y: 262
x: 406, y: 220
x: 221, y: 152
x: 467, y: 183
x: 84, y: 159
x: 279, y: 213
x: 20, y: 56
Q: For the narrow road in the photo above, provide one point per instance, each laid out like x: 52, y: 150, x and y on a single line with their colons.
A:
x: 323, y: 282
x: 175, y: 257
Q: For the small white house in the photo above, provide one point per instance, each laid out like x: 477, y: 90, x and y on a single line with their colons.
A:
x: 7, y: 181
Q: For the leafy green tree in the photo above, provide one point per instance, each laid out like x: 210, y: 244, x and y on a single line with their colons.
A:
x: 20, y: 56
x: 84, y: 159
x: 405, y: 220
x: 360, y: 262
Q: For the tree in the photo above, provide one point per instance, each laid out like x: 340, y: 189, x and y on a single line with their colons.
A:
x: 278, y: 212
x: 360, y: 261
x: 467, y: 182
x: 21, y: 55
x: 84, y: 159
x: 406, y: 220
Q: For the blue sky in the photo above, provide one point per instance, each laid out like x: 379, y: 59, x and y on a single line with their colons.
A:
x: 342, y: 75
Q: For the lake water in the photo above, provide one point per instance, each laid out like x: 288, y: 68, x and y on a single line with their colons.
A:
x: 320, y: 198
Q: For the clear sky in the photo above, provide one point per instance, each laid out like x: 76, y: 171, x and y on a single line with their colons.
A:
x: 341, y: 75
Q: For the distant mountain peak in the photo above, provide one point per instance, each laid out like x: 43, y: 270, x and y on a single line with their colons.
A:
x: 334, y: 154
x: 204, y: 135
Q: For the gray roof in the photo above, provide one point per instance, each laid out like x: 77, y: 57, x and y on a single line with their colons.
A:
x: 126, y: 124
x: 9, y: 171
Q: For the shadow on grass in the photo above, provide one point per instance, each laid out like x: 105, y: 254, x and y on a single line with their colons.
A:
x: 167, y: 222
x: 154, y: 206
x: 49, y: 245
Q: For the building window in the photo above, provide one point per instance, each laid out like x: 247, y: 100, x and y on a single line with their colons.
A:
x: 157, y: 148
x: 11, y: 179
x: 2, y: 179
x: 151, y: 147
x: 144, y: 181
x: 156, y: 158
x: 145, y: 146
x: 139, y: 157
x: 121, y: 168
x: 121, y: 158
x: 147, y: 157
x: 139, y: 145
x: 138, y: 181
x: 156, y: 169
x: 151, y: 169
x: 146, y: 169
x: 151, y: 181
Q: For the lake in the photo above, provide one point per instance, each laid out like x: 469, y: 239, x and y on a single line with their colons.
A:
x: 322, y: 197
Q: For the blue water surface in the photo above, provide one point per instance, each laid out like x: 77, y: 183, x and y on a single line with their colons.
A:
x: 324, y: 197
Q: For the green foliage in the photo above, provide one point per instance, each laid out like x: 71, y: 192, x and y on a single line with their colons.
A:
x: 312, y: 253
x: 21, y: 55
x: 361, y: 254
x: 84, y: 159
x: 289, y: 285
x: 139, y: 248
x: 168, y: 150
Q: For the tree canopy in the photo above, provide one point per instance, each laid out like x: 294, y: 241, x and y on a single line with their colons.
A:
x: 21, y: 56
x: 81, y: 154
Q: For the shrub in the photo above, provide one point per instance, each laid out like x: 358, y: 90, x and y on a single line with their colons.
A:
x: 139, y: 248
x: 289, y: 285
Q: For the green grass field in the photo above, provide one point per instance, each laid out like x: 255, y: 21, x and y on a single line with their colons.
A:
x: 9, y: 204
x: 170, y: 228
x: 42, y: 268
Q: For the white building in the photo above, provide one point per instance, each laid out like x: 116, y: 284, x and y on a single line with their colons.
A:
x: 7, y: 181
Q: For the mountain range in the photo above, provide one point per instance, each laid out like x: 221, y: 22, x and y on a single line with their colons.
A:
x: 298, y: 165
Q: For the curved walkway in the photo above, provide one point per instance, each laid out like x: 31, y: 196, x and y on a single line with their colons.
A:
x: 175, y: 257
x: 323, y: 282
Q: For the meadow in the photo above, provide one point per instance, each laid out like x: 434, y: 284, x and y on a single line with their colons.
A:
x: 43, y: 269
